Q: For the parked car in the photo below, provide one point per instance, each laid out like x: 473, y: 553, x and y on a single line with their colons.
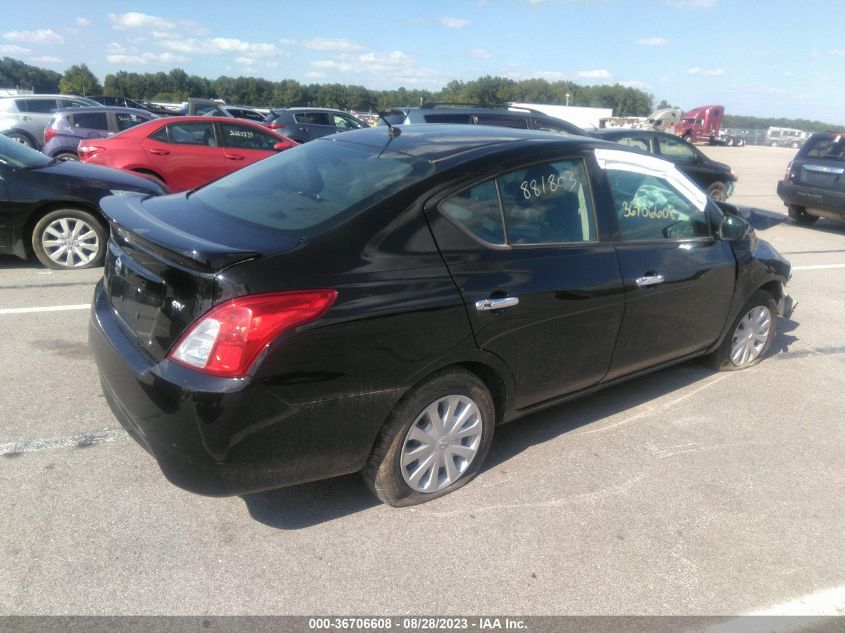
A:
x: 814, y: 184
x: 50, y: 208
x: 119, y: 102
x: 785, y: 137
x: 185, y: 152
x: 70, y: 125
x: 470, y: 114
x: 305, y: 124
x: 378, y: 301
x: 23, y: 118
x: 712, y: 176
x: 245, y: 112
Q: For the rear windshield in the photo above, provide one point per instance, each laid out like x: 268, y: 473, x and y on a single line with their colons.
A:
x: 831, y: 146
x: 312, y: 187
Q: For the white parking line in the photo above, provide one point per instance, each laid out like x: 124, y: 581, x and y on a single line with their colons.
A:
x: 78, y: 440
x: 821, y: 267
x: 79, y: 306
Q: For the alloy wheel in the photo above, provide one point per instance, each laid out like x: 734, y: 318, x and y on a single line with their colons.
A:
x: 70, y: 242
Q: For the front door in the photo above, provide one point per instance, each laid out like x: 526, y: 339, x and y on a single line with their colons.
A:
x: 541, y: 291
x: 678, y: 278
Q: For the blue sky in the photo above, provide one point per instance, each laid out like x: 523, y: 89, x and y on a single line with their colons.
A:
x: 756, y: 57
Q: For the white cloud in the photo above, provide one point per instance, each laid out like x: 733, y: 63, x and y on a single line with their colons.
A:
x: 41, y: 36
x: 704, y: 72
x: 837, y: 52
x: 333, y: 45
x: 82, y: 22
x: 287, y: 42
x: 693, y: 4
x: 221, y: 45
x: 134, y: 20
x: 46, y: 59
x: 594, y: 74
x: 453, y: 23
x: 246, y: 61
x: 118, y: 54
x: 480, y: 53
x: 653, y: 41
x: 631, y: 83
x: 12, y: 49
x: 314, y: 75
x: 399, y: 67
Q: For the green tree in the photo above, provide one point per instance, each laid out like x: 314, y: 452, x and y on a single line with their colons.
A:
x: 79, y: 80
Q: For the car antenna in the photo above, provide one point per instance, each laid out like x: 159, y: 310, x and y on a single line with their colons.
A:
x: 391, y: 130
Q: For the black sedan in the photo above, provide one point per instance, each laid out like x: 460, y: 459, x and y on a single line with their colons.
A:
x: 712, y: 176
x: 51, y: 208
x: 378, y: 301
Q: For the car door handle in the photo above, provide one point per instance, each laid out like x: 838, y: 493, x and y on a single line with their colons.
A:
x: 496, y: 304
x: 233, y: 156
x: 159, y: 152
x: 649, y: 280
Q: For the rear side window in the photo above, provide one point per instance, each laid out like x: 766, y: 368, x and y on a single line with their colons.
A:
x: 312, y: 187
x: 38, y: 106
x: 825, y: 146
x: 312, y: 118
x: 548, y: 203
x: 499, y: 120
x: 91, y: 120
x: 650, y: 208
x: 187, y: 134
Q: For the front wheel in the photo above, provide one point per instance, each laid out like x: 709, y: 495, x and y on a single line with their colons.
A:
x: 751, y: 335
x: 434, y: 441
x: 718, y: 192
x: 69, y: 238
x: 66, y: 156
x: 800, y: 215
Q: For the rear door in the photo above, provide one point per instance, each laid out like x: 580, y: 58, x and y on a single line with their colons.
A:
x: 187, y: 154
x: 311, y: 125
x: 541, y: 289
x: 90, y: 124
x: 678, y: 278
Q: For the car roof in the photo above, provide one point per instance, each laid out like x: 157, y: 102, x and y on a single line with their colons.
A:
x: 307, y: 109
x: 438, y: 141
x: 102, y: 108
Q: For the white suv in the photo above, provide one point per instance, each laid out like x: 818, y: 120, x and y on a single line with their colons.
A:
x: 24, y: 117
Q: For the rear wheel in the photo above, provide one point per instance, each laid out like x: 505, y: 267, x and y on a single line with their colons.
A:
x: 66, y: 156
x: 718, y: 192
x: 20, y: 137
x: 69, y: 238
x: 800, y: 215
x: 434, y: 441
x: 751, y: 335
x: 740, y: 142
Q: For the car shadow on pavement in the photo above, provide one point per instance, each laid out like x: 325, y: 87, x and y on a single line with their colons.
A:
x: 763, y: 219
x: 305, y: 505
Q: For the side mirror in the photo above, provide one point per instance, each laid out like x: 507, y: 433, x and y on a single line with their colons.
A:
x: 283, y: 145
x: 733, y: 228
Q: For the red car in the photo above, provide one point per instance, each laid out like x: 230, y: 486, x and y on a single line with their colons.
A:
x: 187, y: 151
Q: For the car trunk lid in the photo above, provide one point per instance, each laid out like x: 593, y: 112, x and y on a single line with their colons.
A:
x: 163, y: 257
x: 821, y: 163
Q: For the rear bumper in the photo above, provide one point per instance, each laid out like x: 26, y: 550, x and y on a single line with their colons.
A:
x: 821, y: 202
x: 219, y: 436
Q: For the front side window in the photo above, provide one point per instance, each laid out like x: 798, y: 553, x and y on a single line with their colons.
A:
x: 637, y: 142
x: 676, y: 150
x: 91, y: 120
x: 126, y: 121
x: 650, y: 208
x: 246, y: 137
x: 344, y: 123
x: 548, y: 203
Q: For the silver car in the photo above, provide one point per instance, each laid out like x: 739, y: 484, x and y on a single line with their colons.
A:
x: 24, y: 117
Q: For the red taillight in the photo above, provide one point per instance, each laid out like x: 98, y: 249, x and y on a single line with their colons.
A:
x: 49, y: 133
x: 87, y: 151
x: 276, y: 126
x: 227, y: 339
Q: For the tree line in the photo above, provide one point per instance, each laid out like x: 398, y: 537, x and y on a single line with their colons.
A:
x: 177, y: 86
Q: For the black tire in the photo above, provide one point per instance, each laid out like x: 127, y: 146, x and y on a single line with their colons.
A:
x: 66, y: 156
x: 688, y: 137
x: 22, y: 138
x: 729, y: 141
x: 718, y: 192
x: 740, y: 142
x: 724, y: 358
x: 800, y: 216
x: 384, y: 473
x: 69, y: 239
x: 796, y: 145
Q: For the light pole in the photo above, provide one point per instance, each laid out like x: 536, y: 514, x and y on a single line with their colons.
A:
x: 567, y: 98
